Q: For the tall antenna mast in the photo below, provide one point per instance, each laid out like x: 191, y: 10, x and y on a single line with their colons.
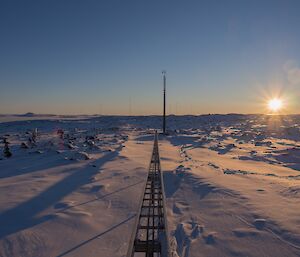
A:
x: 164, y: 113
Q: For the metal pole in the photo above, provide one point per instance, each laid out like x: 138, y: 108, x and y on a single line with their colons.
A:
x: 164, y: 118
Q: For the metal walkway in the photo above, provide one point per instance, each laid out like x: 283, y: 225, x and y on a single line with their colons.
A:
x: 150, y: 238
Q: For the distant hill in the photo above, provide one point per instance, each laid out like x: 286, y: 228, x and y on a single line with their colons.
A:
x: 31, y: 114
x: 28, y: 114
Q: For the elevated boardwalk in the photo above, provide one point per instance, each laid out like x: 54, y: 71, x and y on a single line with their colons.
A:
x: 150, y: 237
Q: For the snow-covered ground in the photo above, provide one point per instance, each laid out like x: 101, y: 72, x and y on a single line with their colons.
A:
x: 232, y: 184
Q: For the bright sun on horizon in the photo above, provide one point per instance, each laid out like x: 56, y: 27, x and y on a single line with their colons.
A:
x: 275, y: 104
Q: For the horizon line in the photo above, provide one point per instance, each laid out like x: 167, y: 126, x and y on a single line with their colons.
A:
x: 30, y: 114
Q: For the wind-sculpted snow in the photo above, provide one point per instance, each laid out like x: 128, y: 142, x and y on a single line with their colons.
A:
x: 72, y: 185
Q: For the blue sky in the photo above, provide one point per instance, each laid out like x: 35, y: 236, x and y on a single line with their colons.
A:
x: 72, y: 57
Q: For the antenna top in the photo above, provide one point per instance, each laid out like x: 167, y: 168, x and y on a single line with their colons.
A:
x: 164, y: 72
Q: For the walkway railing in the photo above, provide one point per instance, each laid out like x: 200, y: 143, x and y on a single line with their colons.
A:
x: 150, y: 236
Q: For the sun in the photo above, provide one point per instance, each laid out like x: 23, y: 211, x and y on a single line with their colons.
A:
x: 275, y: 104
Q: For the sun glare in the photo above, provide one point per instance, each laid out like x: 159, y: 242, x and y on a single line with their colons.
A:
x: 275, y: 104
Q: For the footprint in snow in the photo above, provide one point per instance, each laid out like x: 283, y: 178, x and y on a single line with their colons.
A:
x: 97, y: 188
x: 210, y: 238
x: 62, y: 205
x: 260, y: 223
x: 176, y: 209
x: 183, y: 236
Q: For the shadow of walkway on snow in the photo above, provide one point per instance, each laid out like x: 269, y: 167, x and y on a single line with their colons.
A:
x: 95, y: 237
x: 25, y: 214
x: 101, y: 197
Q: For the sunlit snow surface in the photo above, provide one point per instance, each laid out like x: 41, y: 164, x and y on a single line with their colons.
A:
x: 232, y: 184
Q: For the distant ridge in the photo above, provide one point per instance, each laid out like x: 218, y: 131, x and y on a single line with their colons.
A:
x: 31, y: 114
x: 28, y: 114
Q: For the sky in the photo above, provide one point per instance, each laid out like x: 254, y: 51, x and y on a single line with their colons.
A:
x: 106, y: 57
